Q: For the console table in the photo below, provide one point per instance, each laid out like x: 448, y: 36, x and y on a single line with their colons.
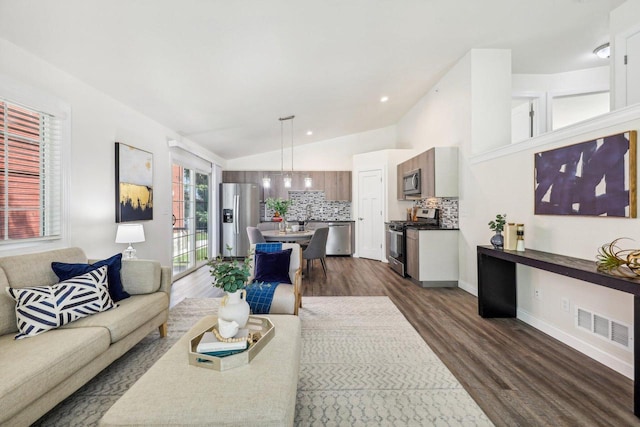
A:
x: 497, y: 288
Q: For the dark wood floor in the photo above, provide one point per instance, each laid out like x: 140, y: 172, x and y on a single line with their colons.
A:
x: 518, y: 375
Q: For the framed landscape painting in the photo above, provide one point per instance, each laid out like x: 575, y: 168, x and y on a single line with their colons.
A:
x: 593, y: 178
x: 134, y: 184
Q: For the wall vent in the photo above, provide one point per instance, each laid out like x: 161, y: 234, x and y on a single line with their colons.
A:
x: 584, y: 319
x: 603, y: 327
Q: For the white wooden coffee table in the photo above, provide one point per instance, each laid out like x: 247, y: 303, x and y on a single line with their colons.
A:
x: 173, y: 392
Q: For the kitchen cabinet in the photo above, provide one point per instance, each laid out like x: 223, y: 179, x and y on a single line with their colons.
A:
x: 412, y: 252
x: 432, y: 257
x: 276, y: 188
x: 335, y: 184
x: 245, y: 177
x: 439, y: 172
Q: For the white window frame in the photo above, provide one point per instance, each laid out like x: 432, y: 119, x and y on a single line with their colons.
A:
x: 19, y: 93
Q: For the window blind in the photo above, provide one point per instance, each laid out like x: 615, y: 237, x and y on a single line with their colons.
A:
x: 30, y: 173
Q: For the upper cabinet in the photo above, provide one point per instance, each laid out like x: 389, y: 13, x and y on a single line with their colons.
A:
x: 439, y: 173
x: 335, y: 184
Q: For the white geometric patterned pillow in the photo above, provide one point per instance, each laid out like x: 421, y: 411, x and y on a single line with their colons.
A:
x: 41, y: 308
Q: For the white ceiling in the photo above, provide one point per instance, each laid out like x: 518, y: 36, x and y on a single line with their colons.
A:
x: 221, y: 73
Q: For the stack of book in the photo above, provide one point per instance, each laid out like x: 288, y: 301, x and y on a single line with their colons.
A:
x: 211, y: 346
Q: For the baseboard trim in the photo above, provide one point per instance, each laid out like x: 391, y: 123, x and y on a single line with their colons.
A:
x: 468, y: 287
x: 583, y: 347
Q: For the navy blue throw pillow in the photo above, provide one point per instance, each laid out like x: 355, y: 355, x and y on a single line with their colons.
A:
x: 66, y: 271
x: 273, y: 266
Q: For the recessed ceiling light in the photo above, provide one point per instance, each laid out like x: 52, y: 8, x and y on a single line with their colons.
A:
x: 309, y: 132
x: 384, y: 99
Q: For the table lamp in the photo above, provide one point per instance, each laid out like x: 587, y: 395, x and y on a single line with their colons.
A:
x: 129, y: 233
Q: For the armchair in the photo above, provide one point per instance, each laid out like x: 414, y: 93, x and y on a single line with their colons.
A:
x: 287, y: 298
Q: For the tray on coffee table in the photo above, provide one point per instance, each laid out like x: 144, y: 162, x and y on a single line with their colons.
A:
x: 260, y: 328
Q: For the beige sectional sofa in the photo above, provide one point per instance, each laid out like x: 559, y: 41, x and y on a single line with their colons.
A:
x: 36, y: 373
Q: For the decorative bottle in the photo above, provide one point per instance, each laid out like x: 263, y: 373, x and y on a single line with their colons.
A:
x: 520, y: 242
x: 510, y: 236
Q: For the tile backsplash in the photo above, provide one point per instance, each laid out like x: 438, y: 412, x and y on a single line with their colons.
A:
x: 312, y: 205
x: 448, y: 210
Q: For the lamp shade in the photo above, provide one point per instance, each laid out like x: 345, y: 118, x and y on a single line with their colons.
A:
x: 130, y: 233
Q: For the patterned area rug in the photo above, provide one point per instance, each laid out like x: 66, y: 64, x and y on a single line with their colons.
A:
x: 362, y: 364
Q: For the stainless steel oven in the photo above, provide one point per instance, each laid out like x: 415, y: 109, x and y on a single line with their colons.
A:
x: 396, y: 247
x: 396, y: 237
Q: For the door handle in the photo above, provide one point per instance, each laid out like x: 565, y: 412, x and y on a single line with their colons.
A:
x: 236, y: 208
x: 360, y: 219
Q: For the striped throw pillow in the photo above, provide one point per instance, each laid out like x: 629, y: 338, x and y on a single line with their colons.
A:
x: 42, y: 308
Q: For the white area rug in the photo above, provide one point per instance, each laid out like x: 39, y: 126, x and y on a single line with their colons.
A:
x: 364, y: 364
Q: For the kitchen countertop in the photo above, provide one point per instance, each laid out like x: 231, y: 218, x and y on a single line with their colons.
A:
x: 331, y: 220
x: 422, y: 227
x: 318, y: 220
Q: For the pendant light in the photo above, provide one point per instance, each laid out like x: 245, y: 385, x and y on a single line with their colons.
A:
x: 288, y: 178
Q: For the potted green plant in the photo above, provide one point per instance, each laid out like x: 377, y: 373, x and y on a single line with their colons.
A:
x: 280, y: 206
x: 497, y: 225
x: 231, y: 276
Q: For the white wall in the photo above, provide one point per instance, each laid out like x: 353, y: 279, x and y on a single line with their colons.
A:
x: 503, y: 183
x: 330, y: 154
x: 443, y: 116
x: 490, y: 98
x: 98, y: 121
x: 580, y: 81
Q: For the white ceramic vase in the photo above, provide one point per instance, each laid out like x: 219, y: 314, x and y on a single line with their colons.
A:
x: 234, y: 307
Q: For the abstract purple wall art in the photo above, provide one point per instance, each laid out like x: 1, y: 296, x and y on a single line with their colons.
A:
x: 593, y: 178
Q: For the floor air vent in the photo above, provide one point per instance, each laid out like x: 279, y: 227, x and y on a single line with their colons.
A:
x: 605, y: 328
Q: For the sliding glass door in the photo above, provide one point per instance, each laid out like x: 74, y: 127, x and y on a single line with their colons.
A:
x: 191, y: 219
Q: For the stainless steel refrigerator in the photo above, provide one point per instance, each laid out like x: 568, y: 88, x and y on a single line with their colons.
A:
x: 240, y: 204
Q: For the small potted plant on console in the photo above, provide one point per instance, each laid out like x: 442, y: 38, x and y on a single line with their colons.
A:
x: 497, y: 225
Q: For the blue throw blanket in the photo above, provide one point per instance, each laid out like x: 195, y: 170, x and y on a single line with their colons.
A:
x: 260, y: 295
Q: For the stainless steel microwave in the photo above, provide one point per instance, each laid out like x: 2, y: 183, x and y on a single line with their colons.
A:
x: 411, y: 183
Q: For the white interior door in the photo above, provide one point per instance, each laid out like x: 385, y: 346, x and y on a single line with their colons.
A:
x: 370, y: 222
x: 633, y: 69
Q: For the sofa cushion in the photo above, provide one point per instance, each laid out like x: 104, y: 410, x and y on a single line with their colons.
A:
x: 8, y: 324
x: 130, y: 315
x: 273, y: 266
x: 42, y: 308
x: 66, y: 271
x: 19, y: 271
x: 28, y: 270
x: 30, y: 368
x: 141, y: 276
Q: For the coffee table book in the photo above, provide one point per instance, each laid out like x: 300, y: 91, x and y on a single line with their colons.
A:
x: 210, y: 344
x: 256, y: 325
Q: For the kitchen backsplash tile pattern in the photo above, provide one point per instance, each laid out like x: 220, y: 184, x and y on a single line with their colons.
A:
x: 312, y: 205
x: 448, y: 210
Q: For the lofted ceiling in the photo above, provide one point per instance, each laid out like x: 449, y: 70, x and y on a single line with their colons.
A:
x: 221, y: 73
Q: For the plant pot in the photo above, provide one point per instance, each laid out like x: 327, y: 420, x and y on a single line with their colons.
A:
x: 235, y: 307
x: 497, y: 240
